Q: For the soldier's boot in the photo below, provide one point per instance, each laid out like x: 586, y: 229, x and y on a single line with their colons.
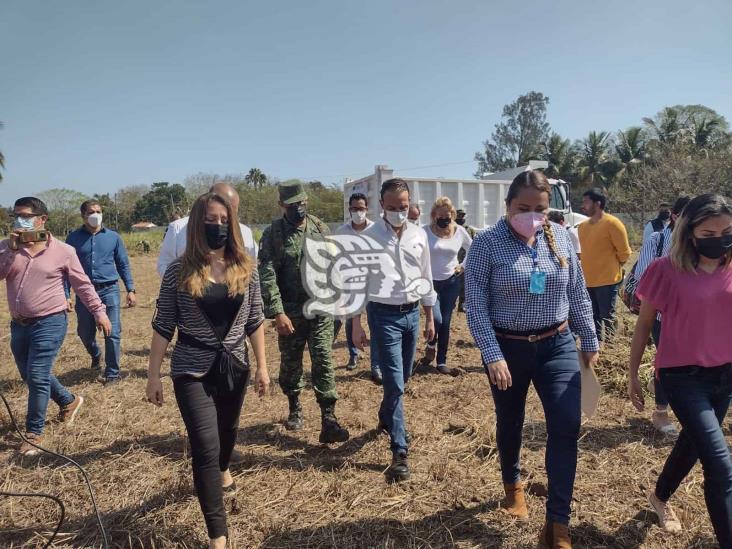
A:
x: 294, y: 420
x: 331, y: 431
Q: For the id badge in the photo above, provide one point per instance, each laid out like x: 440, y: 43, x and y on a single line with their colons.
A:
x: 537, y: 284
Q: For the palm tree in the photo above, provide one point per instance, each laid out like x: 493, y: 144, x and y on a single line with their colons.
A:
x: 630, y: 149
x: 256, y: 178
x: 594, y: 159
x: 666, y: 127
x: 560, y: 155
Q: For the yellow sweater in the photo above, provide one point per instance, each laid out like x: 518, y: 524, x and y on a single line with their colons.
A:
x: 605, y: 248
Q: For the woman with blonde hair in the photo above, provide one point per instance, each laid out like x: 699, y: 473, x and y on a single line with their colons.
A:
x: 445, y: 238
x: 211, y: 296
x: 692, y: 289
x: 526, y: 296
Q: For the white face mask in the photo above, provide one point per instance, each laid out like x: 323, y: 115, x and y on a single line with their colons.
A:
x: 94, y: 220
x: 358, y: 217
x: 396, y: 219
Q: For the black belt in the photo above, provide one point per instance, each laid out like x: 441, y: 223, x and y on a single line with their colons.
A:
x: 101, y: 285
x: 23, y: 321
x: 403, y: 308
x: 533, y: 336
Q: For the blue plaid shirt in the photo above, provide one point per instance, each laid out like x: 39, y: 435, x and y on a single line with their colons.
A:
x: 497, y: 274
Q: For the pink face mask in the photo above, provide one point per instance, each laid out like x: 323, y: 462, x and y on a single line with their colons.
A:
x: 527, y: 223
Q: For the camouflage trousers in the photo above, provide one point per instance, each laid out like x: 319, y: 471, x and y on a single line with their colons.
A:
x: 318, y: 334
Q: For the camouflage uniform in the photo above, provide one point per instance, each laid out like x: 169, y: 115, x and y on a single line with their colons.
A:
x: 472, y: 231
x: 280, y: 260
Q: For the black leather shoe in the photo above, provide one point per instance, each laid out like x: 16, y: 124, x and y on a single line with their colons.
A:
x: 398, y: 471
x: 377, y: 379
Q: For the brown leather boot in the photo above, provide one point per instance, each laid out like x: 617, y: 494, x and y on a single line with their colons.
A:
x: 515, y: 503
x: 555, y: 535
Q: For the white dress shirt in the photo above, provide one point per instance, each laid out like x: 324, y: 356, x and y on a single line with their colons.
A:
x: 412, y: 279
x: 174, y: 243
x: 574, y: 239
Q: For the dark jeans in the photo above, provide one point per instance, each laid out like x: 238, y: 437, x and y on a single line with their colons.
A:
x: 447, y: 294
x: 700, y: 398
x: 553, y: 367
x: 461, y: 296
x: 395, y: 334
x: 352, y: 350
x: 211, y: 415
x: 660, y: 394
x: 603, y: 309
x: 87, y: 329
x: 35, y: 348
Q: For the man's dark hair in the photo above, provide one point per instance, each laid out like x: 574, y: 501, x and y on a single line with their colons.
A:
x: 35, y: 204
x: 556, y: 216
x: 394, y: 185
x: 680, y: 204
x: 358, y: 196
x: 87, y: 204
x: 596, y: 195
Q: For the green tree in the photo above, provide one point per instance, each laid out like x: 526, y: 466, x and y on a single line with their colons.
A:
x: 595, y: 165
x: 695, y: 125
x: 125, y: 200
x: 159, y: 204
x: 561, y: 157
x: 2, y: 159
x: 518, y: 137
x: 63, y: 209
x: 256, y: 178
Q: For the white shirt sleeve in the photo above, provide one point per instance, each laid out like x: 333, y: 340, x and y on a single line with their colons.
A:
x: 430, y: 298
x: 574, y: 239
x: 647, y: 231
x: 249, y: 243
x: 168, y: 252
x: 467, y: 242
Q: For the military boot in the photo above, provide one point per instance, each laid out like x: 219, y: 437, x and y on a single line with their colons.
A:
x: 331, y: 430
x: 294, y: 420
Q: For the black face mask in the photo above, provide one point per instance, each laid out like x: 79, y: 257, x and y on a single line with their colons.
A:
x: 443, y: 222
x: 664, y: 215
x: 460, y: 221
x: 714, y: 247
x: 295, y: 213
x: 216, y: 235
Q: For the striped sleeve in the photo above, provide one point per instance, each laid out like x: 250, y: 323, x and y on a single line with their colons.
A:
x: 166, y: 313
x: 647, y: 254
x: 256, y: 307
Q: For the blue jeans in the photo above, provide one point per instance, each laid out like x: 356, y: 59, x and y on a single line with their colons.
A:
x: 659, y: 393
x: 352, y: 350
x: 395, y: 335
x: 700, y: 398
x: 448, y: 292
x: 553, y: 367
x: 603, y: 309
x: 87, y: 330
x: 35, y: 348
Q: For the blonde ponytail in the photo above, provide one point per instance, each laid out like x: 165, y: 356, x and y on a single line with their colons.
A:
x: 552, y: 243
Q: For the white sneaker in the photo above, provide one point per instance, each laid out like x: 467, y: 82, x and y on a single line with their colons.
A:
x: 667, y: 519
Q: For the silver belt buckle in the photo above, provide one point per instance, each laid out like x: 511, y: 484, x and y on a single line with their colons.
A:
x: 533, y: 338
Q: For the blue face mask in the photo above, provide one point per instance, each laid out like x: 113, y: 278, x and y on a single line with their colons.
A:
x: 26, y: 223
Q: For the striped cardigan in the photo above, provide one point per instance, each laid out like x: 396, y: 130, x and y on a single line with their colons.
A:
x: 177, y: 309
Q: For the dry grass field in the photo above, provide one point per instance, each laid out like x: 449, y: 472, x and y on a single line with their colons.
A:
x: 294, y: 492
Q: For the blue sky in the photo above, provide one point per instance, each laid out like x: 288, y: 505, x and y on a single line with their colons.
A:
x: 96, y: 95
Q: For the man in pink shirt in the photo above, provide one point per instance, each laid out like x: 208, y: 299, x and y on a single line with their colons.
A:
x: 34, y: 266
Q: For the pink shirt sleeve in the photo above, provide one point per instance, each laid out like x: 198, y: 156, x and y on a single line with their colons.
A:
x: 83, y: 286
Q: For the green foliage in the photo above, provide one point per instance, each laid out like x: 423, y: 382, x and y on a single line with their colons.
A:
x: 519, y: 137
x: 160, y: 203
x: 135, y: 242
x: 63, y: 210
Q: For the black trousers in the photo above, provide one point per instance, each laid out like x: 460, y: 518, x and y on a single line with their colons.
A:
x: 211, y: 415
